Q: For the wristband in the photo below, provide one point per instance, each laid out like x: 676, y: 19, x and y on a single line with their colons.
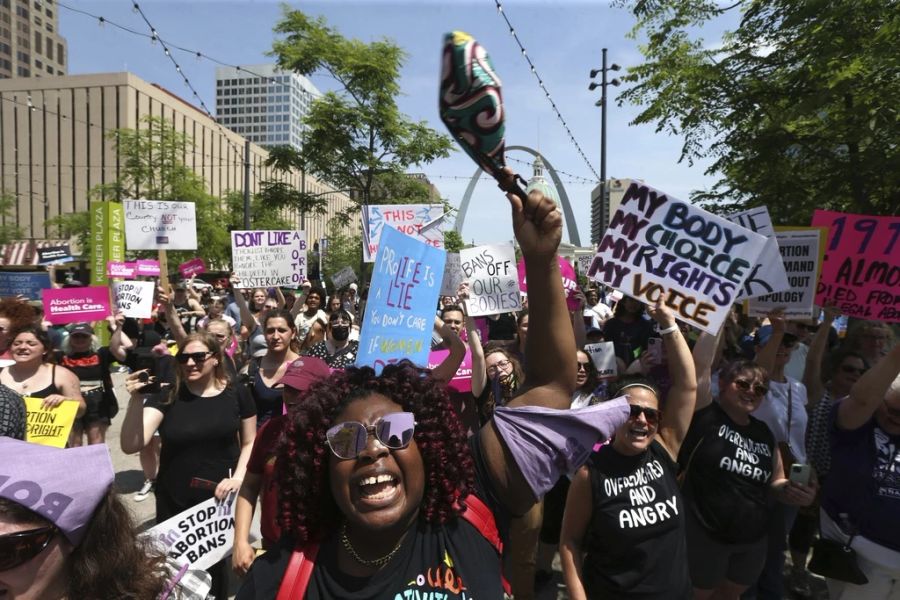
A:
x: 668, y: 330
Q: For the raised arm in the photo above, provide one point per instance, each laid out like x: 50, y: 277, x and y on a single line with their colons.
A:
x: 704, y: 355
x: 176, y: 328
x: 247, y: 318
x: 765, y: 358
x: 139, y: 423
x: 479, y: 375
x: 682, y: 396
x: 300, y: 300
x: 812, y: 375
x: 867, y: 394
x: 578, y: 319
x: 119, y: 343
x: 445, y: 371
x: 279, y: 297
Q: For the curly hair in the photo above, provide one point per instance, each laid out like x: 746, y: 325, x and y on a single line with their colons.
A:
x: 307, y: 509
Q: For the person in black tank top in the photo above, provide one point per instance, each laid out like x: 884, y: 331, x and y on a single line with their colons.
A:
x: 623, y: 528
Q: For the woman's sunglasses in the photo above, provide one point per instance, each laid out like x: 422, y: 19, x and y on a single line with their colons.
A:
x: 394, y: 430
x: 650, y: 414
x: 198, y: 357
x: 745, y: 386
x: 586, y: 366
x: 18, y: 548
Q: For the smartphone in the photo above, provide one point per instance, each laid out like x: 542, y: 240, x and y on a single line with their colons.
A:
x: 655, y: 351
x: 203, y: 484
x: 800, y: 473
x: 146, y: 364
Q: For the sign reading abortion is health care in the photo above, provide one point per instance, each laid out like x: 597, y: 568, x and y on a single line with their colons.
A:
x: 420, y: 221
x: 493, y: 279
x: 660, y: 248
x: 402, y: 295
x: 76, y: 305
x: 269, y: 258
x: 160, y: 225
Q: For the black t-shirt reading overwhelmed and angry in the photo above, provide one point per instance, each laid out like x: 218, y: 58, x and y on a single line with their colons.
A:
x: 635, y: 546
x: 728, y: 471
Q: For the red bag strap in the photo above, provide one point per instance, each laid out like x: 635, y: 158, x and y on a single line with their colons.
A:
x: 298, y: 573
x: 480, y: 516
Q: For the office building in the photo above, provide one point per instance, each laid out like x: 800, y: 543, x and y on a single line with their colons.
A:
x: 30, y: 43
x: 602, y: 208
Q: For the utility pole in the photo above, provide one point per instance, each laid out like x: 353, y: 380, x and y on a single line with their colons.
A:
x: 246, y: 184
x: 602, y: 103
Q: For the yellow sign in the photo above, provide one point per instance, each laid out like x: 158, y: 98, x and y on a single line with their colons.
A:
x: 49, y: 426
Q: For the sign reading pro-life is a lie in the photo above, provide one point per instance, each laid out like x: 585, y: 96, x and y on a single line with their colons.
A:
x: 493, y: 279
x: 660, y: 248
x: 160, y: 225
x: 272, y: 258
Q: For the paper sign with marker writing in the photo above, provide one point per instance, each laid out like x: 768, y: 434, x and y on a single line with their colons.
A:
x: 269, y: 258
x: 423, y: 222
x: 452, y: 275
x: 584, y: 263
x: 462, y: 380
x: 343, y: 278
x: 399, y: 315
x: 569, y: 280
x: 76, y: 305
x: 160, y: 225
x: 861, y: 271
x: 800, y: 250
x: 195, y: 266
x: 28, y: 284
x: 768, y: 275
x: 603, y: 354
x: 658, y: 247
x: 493, y: 279
x: 134, y: 298
x: 49, y: 426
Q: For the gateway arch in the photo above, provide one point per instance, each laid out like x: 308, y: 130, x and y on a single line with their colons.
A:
x: 569, y: 216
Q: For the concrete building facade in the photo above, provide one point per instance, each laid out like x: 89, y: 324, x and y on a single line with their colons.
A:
x: 30, y: 43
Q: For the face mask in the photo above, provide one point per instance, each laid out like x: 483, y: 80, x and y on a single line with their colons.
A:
x: 340, y: 332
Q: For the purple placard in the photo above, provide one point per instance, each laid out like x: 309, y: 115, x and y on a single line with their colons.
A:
x: 120, y: 270
x: 192, y: 267
x: 148, y: 268
x: 569, y: 280
x: 76, y: 305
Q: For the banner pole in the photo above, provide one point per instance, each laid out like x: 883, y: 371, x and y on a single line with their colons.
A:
x: 164, y: 271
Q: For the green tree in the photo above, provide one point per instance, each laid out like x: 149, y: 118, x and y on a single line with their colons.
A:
x: 344, y: 250
x: 8, y: 230
x: 453, y: 241
x: 796, y: 109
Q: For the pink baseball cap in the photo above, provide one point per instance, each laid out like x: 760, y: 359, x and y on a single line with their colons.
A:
x: 304, y: 372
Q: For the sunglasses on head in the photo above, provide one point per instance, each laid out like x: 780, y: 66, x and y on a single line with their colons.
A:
x: 650, y: 414
x: 393, y: 430
x: 745, y: 386
x: 198, y: 357
x: 850, y: 370
x: 20, y: 547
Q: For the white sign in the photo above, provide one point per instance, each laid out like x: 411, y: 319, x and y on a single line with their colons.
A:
x: 160, y: 225
x: 800, y: 253
x: 343, y: 278
x: 584, y: 263
x: 768, y: 273
x: 420, y: 221
x: 269, y: 258
x: 493, y: 279
x: 134, y: 298
x: 604, y: 356
x: 452, y: 275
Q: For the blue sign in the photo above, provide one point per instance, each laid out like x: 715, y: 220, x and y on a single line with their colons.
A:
x: 403, y: 295
x: 28, y: 284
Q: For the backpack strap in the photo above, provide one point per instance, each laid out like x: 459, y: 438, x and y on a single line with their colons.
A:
x: 482, y: 518
x: 298, y: 573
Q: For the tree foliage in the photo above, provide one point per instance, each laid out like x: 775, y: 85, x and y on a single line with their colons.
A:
x: 344, y: 250
x: 796, y: 109
x: 8, y: 230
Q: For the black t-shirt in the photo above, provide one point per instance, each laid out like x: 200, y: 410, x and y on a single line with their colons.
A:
x: 728, y: 471
x: 12, y: 414
x: 627, y: 337
x: 635, y: 546
x: 91, y: 367
x: 199, y: 439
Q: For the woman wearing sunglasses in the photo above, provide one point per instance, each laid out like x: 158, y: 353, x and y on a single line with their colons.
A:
x: 377, y: 476
x: 206, y: 425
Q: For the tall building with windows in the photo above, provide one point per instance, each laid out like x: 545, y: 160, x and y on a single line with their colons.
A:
x: 30, y: 43
x: 263, y: 104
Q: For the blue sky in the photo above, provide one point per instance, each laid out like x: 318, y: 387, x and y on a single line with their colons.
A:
x: 563, y: 38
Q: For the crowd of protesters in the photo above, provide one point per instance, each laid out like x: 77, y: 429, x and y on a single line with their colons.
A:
x: 713, y: 455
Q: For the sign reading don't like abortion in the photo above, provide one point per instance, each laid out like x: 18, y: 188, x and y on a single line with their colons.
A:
x: 660, y: 248
x: 160, y: 225
x: 271, y: 258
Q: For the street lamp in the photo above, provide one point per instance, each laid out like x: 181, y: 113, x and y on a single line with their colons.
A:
x: 602, y: 104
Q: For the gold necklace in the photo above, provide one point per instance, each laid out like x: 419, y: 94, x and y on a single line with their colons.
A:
x: 377, y: 562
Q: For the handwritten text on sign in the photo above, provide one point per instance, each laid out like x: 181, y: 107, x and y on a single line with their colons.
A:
x: 134, y: 298
x: 409, y: 219
x: 768, y: 274
x: 49, y: 426
x: 269, y: 258
x: 160, y: 225
x: 493, y: 279
x: 800, y: 252
x: 861, y: 272
x: 658, y: 247
x: 402, y: 296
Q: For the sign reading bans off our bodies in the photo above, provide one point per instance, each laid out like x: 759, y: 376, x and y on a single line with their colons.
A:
x: 658, y: 247
x: 269, y: 258
x: 493, y: 279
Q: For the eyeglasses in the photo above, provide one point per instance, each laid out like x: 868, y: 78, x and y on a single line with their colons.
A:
x: 497, y: 366
x: 850, y: 370
x: 198, y: 357
x: 18, y: 548
x: 650, y: 414
x: 393, y: 430
x: 745, y: 386
x: 583, y: 366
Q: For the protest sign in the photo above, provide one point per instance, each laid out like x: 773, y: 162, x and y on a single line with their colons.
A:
x: 569, y: 280
x: 800, y: 250
x: 493, y: 280
x: 408, y: 219
x: 768, y: 275
x: 584, y: 263
x: 462, y: 380
x: 343, y: 278
x: 201, y: 536
x: 195, y: 266
x: 49, y: 426
x: 54, y: 255
x: 402, y: 295
x: 269, y: 258
x: 148, y: 268
x: 76, y: 305
x: 29, y: 284
x: 603, y: 354
x: 660, y: 248
x: 134, y: 298
x: 861, y: 269
x: 160, y: 225
x: 120, y: 270
x: 452, y: 275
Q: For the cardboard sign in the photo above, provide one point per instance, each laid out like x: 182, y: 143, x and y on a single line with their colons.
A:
x: 493, y: 279
x: 801, y: 250
x: 399, y: 315
x: 49, y: 426
x: 29, y: 284
x: 120, y: 270
x: 603, y: 355
x: 462, y: 380
x: 569, y: 280
x: 195, y: 266
x: 452, y: 275
x: 201, y: 536
x: 343, y: 278
x: 270, y: 258
x: 134, y: 298
x: 661, y: 248
x: 54, y: 255
x: 861, y: 271
x: 160, y: 225
x: 768, y: 275
x: 414, y: 220
x: 148, y: 268
x: 76, y: 305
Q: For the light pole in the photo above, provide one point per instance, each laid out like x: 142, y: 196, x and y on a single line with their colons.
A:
x: 602, y: 104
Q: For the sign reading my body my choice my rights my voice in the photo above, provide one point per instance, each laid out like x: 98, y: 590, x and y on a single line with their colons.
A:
x: 658, y: 247
x: 269, y: 258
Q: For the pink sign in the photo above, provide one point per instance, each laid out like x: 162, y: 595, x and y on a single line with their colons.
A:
x: 76, y: 305
x: 120, y: 270
x: 569, y: 280
x: 861, y: 270
x: 148, y: 268
x: 192, y: 267
x: 462, y: 381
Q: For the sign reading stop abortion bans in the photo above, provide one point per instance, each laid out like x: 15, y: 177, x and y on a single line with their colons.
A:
x: 861, y: 271
x: 160, y: 225
x: 420, y: 221
x: 801, y: 249
x: 661, y: 248
x: 493, y: 279
x: 76, y: 305
x: 134, y: 298
x: 269, y: 258
x: 402, y: 295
